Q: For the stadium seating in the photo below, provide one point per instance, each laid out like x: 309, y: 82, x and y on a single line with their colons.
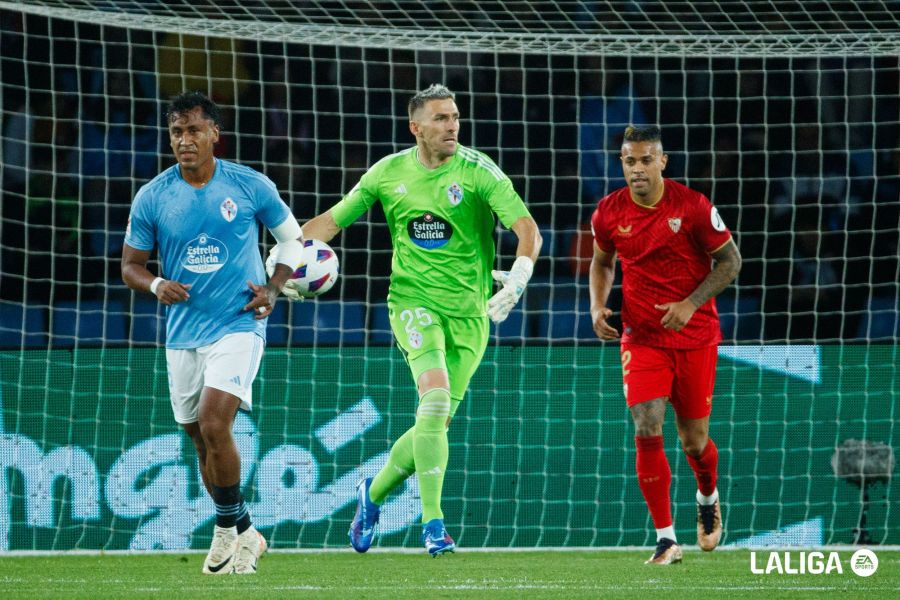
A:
x: 327, y: 323
x: 22, y: 326
x: 881, y: 321
x: 316, y: 321
x: 380, y: 330
x: 514, y: 328
x: 148, y: 322
x: 277, y: 328
x: 567, y: 316
x: 740, y: 318
x: 89, y: 322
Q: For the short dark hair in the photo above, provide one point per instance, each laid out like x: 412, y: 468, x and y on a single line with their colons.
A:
x: 435, y: 91
x: 188, y: 101
x: 642, y: 133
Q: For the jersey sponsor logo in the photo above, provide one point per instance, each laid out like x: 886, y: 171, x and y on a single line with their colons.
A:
x: 228, y: 209
x: 674, y: 224
x: 717, y: 222
x: 455, y: 194
x: 429, y: 231
x: 624, y: 231
x: 400, y: 189
x: 204, y: 254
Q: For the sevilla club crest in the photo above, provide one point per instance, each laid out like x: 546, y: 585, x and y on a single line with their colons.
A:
x: 674, y: 224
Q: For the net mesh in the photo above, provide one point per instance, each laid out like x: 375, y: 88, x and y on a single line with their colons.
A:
x: 784, y: 114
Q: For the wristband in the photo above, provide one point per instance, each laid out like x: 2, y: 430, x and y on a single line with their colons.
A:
x: 289, y: 253
x: 155, y: 285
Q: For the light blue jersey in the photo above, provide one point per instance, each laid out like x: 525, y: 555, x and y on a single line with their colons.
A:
x: 207, y: 238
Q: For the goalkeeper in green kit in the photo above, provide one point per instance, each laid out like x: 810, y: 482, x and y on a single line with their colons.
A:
x: 439, y: 200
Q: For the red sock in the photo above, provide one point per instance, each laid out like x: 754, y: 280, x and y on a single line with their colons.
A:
x: 705, y: 468
x: 654, y: 477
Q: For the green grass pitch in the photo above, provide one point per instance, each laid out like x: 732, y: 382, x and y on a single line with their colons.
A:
x: 386, y: 576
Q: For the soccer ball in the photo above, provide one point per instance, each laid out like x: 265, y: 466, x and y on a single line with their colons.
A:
x: 316, y: 273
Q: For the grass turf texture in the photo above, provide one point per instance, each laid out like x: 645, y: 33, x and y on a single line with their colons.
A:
x: 381, y: 575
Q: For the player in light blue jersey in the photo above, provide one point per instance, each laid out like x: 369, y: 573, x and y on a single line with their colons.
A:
x: 202, y: 215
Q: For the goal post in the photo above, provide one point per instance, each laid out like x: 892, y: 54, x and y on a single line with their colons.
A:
x: 783, y: 114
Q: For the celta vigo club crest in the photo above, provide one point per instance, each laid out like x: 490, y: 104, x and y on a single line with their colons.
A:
x: 228, y: 209
x: 454, y: 194
x: 674, y: 224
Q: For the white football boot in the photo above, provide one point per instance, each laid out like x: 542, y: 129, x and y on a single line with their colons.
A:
x: 221, y: 557
x: 251, y: 545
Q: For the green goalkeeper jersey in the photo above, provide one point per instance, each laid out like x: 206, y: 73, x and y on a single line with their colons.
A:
x: 441, y: 226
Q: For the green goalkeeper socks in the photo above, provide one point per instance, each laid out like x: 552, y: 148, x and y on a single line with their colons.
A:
x: 423, y: 448
x: 431, y: 450
x: 400, y: 465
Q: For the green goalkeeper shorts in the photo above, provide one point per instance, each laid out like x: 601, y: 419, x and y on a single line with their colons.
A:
x: 431, y: 340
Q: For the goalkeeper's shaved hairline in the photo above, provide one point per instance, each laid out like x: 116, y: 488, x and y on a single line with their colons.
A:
x: 187, y: 101
x: 435, y: 91
x: 642, y: 133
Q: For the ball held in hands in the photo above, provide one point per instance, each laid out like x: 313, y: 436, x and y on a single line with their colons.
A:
x: 314, y: 274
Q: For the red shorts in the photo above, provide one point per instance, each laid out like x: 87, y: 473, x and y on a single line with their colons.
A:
x: 685, y: 377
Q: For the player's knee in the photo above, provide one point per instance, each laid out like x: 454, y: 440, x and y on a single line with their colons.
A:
x: 694, y: 446
x: 434, y: 374
x: 215, y: 432
x: 647, y: 430
x: 434, y: 410
x: 193, y: 431
x: 647, y: 423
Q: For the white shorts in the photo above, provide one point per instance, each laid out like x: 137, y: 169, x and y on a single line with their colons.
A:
x: 229, y: 364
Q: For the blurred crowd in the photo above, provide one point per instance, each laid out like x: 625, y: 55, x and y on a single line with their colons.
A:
x: 800, y: 155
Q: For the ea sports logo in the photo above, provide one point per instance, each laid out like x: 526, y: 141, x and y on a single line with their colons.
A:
x: 864, y: 562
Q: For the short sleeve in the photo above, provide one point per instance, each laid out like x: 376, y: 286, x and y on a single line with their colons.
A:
x: 601, y: 237
x: 497, y: 189
x: 140, y: 233
x: 271, y: 210
x: 358, y: 200
x: 708, y: 229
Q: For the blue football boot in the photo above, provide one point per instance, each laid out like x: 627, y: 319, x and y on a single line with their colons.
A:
x: 362, y: 528
x: 437, y: 540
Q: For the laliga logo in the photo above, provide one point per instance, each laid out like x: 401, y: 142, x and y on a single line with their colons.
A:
x: 863, y: 563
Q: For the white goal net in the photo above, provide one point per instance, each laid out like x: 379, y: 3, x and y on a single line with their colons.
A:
x: 785, y: 114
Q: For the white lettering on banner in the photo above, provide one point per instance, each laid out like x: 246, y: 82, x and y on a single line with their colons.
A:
x: 150, y: 481
x: 784, y: 563
x: 40, y: 472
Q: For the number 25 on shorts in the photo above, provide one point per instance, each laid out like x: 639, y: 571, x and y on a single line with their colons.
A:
x: 421, y: 315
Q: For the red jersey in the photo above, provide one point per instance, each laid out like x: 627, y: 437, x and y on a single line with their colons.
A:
x: 665, y: 254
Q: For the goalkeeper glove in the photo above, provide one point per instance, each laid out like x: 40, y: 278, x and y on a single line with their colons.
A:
x: 289, y: 290
x: 514, y: 282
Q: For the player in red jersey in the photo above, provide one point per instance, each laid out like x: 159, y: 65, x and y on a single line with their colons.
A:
x: 667, y: 237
